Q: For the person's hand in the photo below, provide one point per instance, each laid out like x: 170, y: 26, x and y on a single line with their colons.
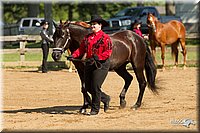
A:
x: 146, y: 37
x: 70, y: 58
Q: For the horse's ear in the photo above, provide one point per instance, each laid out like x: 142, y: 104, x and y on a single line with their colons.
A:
x: 67, y: 22
x: 61, y: 22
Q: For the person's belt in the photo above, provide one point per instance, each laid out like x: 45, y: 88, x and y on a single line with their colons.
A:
x: 103, y: 61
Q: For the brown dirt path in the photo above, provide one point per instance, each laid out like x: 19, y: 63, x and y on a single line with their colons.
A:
x: 35, y: 101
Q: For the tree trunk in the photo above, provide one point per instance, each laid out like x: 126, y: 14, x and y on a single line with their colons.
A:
x: 48, y: 16
x: 33, y: 10
x: 70, y: 13
x: 94, y: 9
x: 169, y: 7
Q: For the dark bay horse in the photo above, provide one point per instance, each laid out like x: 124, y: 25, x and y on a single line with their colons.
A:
x: 128, y: 47
x: 170, y: 33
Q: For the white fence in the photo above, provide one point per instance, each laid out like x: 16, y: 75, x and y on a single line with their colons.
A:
x: 22, y: 39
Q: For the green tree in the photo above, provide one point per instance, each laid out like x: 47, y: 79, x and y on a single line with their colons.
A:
x: 13, y: 12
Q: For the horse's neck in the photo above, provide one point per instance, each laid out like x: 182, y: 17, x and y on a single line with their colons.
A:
x: 158, y: 25
x: 155, y: 35
x: 77, y: 36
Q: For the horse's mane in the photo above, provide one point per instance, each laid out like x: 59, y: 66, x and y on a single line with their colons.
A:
x: 83, y: 24
x: 79, y: 23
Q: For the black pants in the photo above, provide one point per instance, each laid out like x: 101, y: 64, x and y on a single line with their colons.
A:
x: 94, y: 78
x: 45, y: 52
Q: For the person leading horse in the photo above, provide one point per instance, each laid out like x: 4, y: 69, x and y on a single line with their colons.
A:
x: 98, y: 48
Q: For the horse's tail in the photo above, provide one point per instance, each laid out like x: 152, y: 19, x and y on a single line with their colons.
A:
x: 174, y: 48
x: 151, y: 70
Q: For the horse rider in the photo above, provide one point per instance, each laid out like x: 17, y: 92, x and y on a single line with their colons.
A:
x: 46, y: 40
x: 98, y: 48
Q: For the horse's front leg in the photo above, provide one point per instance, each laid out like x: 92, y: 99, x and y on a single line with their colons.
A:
x: 70, y: 66
x: 153, y: 52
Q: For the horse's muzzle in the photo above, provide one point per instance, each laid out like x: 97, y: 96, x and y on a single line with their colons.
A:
x: 56, y: 54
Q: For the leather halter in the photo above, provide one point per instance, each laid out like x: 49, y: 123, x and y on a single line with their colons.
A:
x: 62, y: 49
x: 153, y: 25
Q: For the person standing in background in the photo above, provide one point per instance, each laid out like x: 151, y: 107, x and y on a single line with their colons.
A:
x: 46, y: 40
x: 136, y: 28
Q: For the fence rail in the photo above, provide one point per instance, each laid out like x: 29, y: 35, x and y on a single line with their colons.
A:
x: 22, y: 39
x: 19, y: 38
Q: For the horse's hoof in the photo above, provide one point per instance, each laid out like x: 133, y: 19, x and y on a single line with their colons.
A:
x: 82, y: 111
x: 122, y: 104
x: 70, y: 70
x: 184, y: 67
x: 135, y: 107
x: 174, y: 67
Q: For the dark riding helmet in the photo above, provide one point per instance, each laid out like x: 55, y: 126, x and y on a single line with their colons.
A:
x: 44, y: 22
x: 98, y: 19
x: 136, y: 22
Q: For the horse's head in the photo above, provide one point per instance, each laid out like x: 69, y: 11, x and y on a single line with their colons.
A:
x: 151, y: 21
x: 61, y: 40
x: 69, y: 35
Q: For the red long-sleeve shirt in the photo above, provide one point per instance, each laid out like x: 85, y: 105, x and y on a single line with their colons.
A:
x: 97, y: 43
x: 138, y: 31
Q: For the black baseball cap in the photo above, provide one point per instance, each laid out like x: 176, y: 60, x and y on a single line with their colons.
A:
x: 44, y: 22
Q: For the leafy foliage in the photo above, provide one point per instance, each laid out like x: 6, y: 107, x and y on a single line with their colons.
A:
x: 67, y: 11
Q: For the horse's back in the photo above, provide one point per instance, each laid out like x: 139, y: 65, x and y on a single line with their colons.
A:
x: 180, y: 28
x: 127, y: 46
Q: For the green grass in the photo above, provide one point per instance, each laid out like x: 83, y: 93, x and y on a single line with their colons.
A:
x: 12, y: 57
x: 192, y: 41
x: 192, y: 56
x: 28, y: 45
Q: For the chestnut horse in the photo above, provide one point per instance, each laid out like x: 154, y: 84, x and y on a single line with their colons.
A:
x: 128, y: 47
x: 171, y: 33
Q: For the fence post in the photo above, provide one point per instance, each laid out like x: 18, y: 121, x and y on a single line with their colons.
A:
x: 22, y: 45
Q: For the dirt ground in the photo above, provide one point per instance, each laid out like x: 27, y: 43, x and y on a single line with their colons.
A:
x: 33, y: 101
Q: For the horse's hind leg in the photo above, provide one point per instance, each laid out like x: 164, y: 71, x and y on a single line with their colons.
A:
x: 175, y: 53
x: 153, y: 51
x: 142, y: 84
x: 121, y: 71
x: 182, y: 42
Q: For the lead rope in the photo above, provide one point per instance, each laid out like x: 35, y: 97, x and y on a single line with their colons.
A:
x: 97, y: 64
